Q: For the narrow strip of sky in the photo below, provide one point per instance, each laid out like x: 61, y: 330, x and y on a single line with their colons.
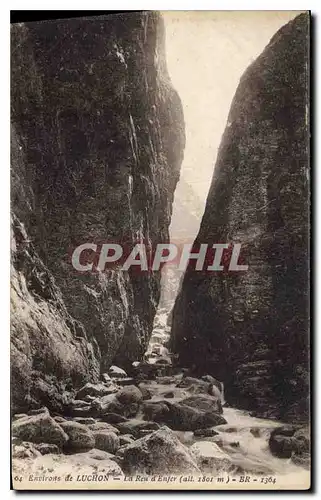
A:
x: 207, y: 52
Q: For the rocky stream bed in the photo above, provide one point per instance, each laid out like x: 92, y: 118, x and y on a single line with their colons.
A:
x: 158, y: 421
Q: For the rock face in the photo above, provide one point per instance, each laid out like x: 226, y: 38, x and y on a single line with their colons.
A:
x: 97, y: 143
x: 47, y: 355
x: 250, y: 329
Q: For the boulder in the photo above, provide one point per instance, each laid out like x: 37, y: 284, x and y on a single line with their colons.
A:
x: 256, y: 431
x: 155, y: 411
x: 116, y: 372
x: 181, y: 416
x: 158, y: 453
x: 80, y: 408
x: 46, y: 448
x: 112, y: 418
x: 213, y: 381
x: 25, y: 450
x: 169, y: 394
x: 285, y: 430
x: 96, y: 390
x: 126, y: 402
x: 107, y: 404
x: 289, y: 439
x: 40, y: 428
x: 137, y: 427
x: 106, y: 440
x: 129, y: 395
x: 185, y: 418
x: 281, y: 446
x: 209, y: 457
x: 194, y: 385
x: 301, y: 439
x: 302, y: 460
x: 80, y: 437
x: 204, y: 402
x: 98, y: 426
x: 144, y: 371
x: 205, y: 433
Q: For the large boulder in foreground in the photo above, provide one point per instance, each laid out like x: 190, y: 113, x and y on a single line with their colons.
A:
x: 40, y: 428
x: 250, y: 328
x: 159, y: 453
x: 98, y: 139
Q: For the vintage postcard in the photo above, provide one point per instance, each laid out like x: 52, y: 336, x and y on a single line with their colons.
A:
x: 160, y: 202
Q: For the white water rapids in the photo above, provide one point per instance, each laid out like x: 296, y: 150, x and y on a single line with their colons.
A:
x: 244, y: 438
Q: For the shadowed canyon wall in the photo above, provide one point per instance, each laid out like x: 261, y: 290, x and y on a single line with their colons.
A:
x: 250, y: 329
x: 97, y: 144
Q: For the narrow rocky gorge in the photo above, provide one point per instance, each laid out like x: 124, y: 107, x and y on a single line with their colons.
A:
x: 105, y: 383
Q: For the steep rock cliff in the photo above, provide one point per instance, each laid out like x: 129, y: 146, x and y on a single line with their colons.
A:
x: 98, y: 139
x: 250, y: 329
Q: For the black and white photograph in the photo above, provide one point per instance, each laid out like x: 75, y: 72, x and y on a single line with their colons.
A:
x: 160, y: 250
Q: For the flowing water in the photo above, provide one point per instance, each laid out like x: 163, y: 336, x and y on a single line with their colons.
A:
x: 244, y: 438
